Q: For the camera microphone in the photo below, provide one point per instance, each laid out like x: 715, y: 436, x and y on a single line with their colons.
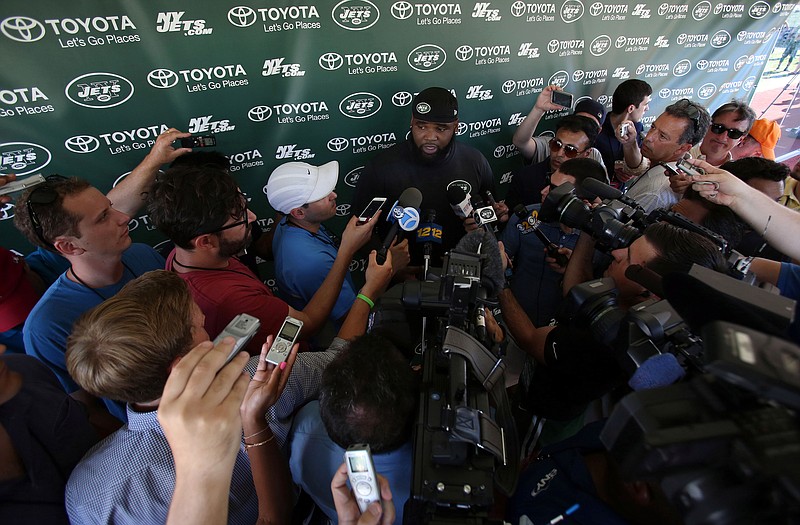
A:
x: 406, y: 215
x: 485, y: 244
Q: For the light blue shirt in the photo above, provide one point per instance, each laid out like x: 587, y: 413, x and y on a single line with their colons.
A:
x: 302, y: 261
x: 315, y: 458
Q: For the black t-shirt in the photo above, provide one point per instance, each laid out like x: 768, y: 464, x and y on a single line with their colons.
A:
x: 527, y: 184
x: 400, y: 167
x: 578, y: 371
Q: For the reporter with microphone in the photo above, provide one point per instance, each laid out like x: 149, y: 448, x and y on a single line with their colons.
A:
x: 431, y: 160
x: 536, y: 281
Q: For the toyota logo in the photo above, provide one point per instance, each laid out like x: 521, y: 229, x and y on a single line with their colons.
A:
x: 464, y: 53
x: 462, y: 128
x: 337, y: 144
x: 82, y: 144
x: 740, y: 63
x: 242, y: 16
x: 402, y: 10
x: 22, y: 29
x: 499, y: 151
x: 552, y: 46
x: 342, y: 210
x: 259, y: 113
x: 402, y: 99
x: 162, y: 78
x: 665, y: 93
x: 508, y: 87
x: 595, y: 9
x: 518, y: 8
x: 702, y: 65
x: 331, y: 61
x: 620, y: 42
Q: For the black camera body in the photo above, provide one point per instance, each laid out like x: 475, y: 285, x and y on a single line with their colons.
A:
x: 465, y: 442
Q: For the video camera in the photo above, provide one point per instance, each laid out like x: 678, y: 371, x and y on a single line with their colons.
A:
x: 725, y: 445
x: 619, y: 220
x: 465, y: 442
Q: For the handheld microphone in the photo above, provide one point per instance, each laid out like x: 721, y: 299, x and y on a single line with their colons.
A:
x: 483, y: 215
x: 530, y: 223
x: 410, y: 200
x: 460, y: 201
x: 429, y: 232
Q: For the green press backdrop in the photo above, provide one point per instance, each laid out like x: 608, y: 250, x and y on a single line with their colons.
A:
x: 86, y: 86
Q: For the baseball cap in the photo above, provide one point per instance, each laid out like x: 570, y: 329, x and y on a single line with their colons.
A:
x: 17, y: 296
x: 435, y: 104
x: 296, y: 183
x: 591, y: 107
x: 767, y: 133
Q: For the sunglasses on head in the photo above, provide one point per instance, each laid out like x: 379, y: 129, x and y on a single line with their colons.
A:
x: 570, y: 151
x: 734, y: 134
x: 691, y: 111
x: 42, y: 195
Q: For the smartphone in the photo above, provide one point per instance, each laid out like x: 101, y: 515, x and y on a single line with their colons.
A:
x: 242, y: 328
x: 283, y: 342
x: 561, y: 98
x: 623, y: 130
x: 371, y: 209
x: 362, y: 475
x: 199, y: 141
x: 21, y: 185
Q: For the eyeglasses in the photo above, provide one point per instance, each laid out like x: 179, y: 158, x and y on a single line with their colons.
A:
x: 244, y: 221
x: 43, y: 194
x: 570, y: 151
x: 691, y: 111
x: 733, y: 133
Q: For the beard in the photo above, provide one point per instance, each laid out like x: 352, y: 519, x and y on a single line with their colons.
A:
x: 230, y: 248
x: 440, y: 155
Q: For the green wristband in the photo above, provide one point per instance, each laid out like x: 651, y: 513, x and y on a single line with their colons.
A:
x: 366, y: 300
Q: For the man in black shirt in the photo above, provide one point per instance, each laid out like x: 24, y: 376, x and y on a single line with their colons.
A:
x: 432, y: 161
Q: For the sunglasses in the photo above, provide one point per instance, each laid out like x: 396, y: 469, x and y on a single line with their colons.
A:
x: 734, y: 134
x: 42, y: 195
x: 570, y: 151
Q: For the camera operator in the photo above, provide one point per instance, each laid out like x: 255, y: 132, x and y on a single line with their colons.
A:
x: 571, y: 368
x: 577, y: 478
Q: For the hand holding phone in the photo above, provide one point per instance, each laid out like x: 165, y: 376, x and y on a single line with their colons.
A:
x: 372, y: 208
x: 562, y: 98
x: 199, y: 141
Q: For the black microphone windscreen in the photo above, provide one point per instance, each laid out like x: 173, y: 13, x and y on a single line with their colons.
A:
x: 456, y: 194
x: 601, y: 189
x: 492, y: 275
x: 410, y: 197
